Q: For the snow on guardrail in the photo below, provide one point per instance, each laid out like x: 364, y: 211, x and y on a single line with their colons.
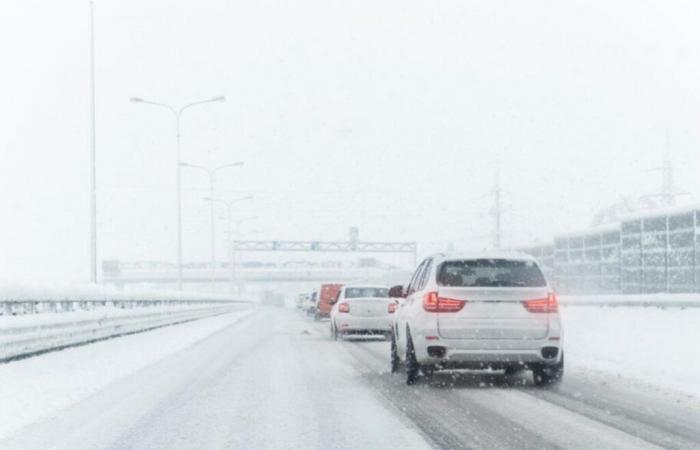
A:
x: 29, y: 335
x: 630, y: 300
x: 36, y: 319
x: 85, y: 292
x: 19, y: 299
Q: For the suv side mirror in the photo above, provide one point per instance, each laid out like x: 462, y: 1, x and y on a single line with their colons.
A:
x: 397, y: 292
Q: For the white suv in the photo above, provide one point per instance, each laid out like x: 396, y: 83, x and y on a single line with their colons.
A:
x: 477, y: 312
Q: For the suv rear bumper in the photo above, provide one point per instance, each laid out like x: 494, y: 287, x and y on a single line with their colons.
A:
x: 496, y: 353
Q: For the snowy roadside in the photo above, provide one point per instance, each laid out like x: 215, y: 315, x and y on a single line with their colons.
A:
x: 653, y: 345
x: 43, y: 386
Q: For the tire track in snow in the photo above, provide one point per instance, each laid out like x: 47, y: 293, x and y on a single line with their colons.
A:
x: 448, y: 423
x: 623, y: 429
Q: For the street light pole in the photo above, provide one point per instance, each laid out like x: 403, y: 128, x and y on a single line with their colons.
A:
x: 93, y: 164
x: 229, y: 223
x: 212, y: 231
x: 229, y: 214
x: 178, y: 114
x: 233, y: 250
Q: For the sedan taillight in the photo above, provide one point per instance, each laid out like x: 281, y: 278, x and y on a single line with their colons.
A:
x: 432, y: 302
x: 392, y: 308
x: 344, y: 307
x: 550, y: 304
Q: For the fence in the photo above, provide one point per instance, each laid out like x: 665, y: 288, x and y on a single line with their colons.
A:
x: 652, y: 253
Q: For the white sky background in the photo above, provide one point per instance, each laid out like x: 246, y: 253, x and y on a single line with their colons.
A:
x: 386, y: 115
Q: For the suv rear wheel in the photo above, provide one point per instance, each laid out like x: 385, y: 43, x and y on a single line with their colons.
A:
x: 412, y: 366
x: 547, y: 375
x: 395, y: 361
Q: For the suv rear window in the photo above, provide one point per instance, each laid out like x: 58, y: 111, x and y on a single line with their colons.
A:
x: 490, y: 273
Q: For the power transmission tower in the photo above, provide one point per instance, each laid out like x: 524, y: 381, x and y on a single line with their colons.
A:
x: 668, y: 193
x: 496, y: 209
x: 668, y: 188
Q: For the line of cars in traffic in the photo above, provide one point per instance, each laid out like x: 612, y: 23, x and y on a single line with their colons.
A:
x: 492, y: 311
x: 353, y: 309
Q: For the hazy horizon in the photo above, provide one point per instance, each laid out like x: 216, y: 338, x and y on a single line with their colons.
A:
x: 346, y: 114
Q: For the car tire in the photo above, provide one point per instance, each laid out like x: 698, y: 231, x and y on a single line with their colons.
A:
x: 412, y: 366
x: 395, y: 360
x: 547, y: 375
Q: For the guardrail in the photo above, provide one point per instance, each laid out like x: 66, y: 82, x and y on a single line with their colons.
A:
x: 93, y: 320
x: 21, y: 307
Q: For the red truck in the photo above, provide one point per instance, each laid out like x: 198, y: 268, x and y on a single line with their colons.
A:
x: 326, y: 294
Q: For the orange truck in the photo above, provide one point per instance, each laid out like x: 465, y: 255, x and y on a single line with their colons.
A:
x: 326, y: 294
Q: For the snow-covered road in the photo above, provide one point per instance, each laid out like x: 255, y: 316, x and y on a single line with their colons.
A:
x: 275, y: 380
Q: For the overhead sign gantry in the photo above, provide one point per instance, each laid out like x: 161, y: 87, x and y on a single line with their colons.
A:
x: 352, y: 245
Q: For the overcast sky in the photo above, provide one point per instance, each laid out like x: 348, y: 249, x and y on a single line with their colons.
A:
x: 386, y: 115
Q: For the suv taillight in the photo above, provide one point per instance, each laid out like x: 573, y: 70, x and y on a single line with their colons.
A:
x: 344, y: 307
x: 550, y: 304
x: 392, y: 307
x: 432, y: 302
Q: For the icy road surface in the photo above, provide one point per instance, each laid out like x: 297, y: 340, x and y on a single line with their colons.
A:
x: 275, y: 380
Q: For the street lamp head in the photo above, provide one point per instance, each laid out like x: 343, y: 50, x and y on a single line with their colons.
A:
x: 136, y: 100
x: 225, y: 166
x: 220, y: 98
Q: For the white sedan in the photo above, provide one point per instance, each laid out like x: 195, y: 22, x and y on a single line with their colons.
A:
x: 362, y: 310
